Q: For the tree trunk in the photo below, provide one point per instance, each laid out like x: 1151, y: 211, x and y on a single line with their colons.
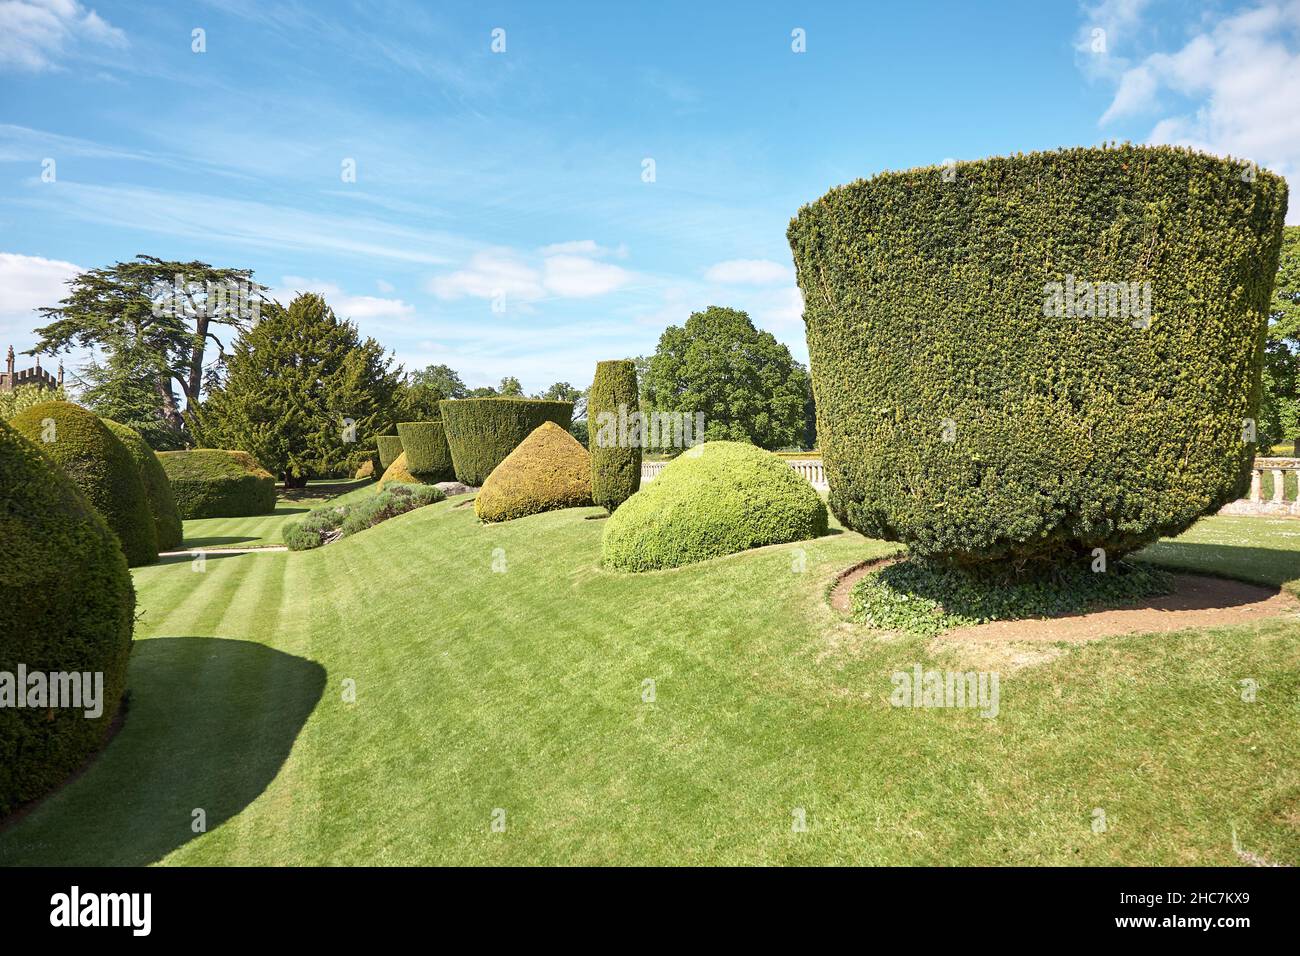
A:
x: 293, y: 481
x: 171, y: 414
x: 195, y: 381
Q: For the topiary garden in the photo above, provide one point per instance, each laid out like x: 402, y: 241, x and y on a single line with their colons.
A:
x: 66, y: 605
x: 158, y: 490
x: 390, y: 446
x: 216, y: 483
x: 481, y: 432
x: 101, y: 467
x: 426, y: 449
x: 615, y: 465
x: 549, y: 470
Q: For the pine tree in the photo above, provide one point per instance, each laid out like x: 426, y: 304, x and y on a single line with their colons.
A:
x: 303, y: 393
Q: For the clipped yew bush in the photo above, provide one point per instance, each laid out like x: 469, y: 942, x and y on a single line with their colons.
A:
x: 157, y: 489
x: 1026, y: 358
x: 390, y: 446
x: 482, y: 431
x: 217, y: 483
x: 615, y: 461
x: 549, y: 470
x: 66, y: 604
x: 714, y: 499
x: 399, y: 472
x: 100, y: 466
x: 427, y: 452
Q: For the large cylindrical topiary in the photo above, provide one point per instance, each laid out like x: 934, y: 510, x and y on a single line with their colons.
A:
x: 390, y: 446
x: 217, y: 483
x: 426, y: 450
x: 482, y: 431
x: 100, y: 466
x: 162, y: 504
x: 66, y: 606
x: 1027, y: 358
x: 615, y: 458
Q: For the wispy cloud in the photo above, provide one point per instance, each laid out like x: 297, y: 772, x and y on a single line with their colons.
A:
x: 36, y: 34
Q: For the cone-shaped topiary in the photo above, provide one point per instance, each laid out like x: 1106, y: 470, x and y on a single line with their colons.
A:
x: 482, y: 431
x: 100, y: 466
x: 162, y: 504
x: 615, y: 461
x: 400, y: 472
x: 66, y: 605
x: 427, y: 453
x: 390, y: 446
x: 549, y: 470
x: 216, y: 483
x: 365, y: 470
x: 1030, y: 357
x: 714, y: 499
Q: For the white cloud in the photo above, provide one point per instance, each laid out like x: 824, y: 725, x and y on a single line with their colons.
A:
x: 384, y: 287
x: 584, y: 247
x: 501, y: 271
x: 356, y: 307
x: 28, y: 283
x: 36, y: 33
x: 749, y: 272
x: 1240, y: 77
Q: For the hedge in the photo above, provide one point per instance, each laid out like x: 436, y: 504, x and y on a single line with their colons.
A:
x: 714, y: 499
x: 66, y: 604
x: 549, y: 470
x: 427, y: 452
x: 390, y: 446
x: 616, y: 464
x: 482, y: 431
x: 157, y: 489
x: 100, y: 466
x: 399, y: 472
x: 216, y: 483
x: 976, y: 399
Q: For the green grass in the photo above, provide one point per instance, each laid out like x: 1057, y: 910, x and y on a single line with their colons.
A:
x: 259, y: 531
x: 523, y: 690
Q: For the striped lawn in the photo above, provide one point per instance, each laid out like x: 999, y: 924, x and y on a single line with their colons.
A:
x: 525, y: 691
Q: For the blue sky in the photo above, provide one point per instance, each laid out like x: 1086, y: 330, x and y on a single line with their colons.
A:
x: 518, y: 177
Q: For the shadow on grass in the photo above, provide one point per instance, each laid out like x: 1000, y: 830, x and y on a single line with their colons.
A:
x: 1268, y: 566
x: 211, y: 721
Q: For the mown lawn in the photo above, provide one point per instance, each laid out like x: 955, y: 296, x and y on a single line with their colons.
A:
x: 524, y: 690
x: 259, y: 531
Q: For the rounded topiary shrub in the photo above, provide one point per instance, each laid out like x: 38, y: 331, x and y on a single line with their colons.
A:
x: 427, y: 453
x: 66, y: 605
x: 615, y: 460
x: 216, y: 483
x: 162, y: 504
x: 400, y: 472
x: 366, y: 470
x: 482, y: 431
x: 390, y: 446
x: 549, y: 470
x: 100, y: 466
x: 1027, y: 358
x: 714, y: 499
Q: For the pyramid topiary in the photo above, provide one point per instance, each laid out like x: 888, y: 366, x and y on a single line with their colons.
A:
x: 482, y: 431
x: 400, y: 472
x: 66, y: 605
x: 100, y: 466
x: 216, y: 483
x: 615, y: 466
x: 549, y: 470
x: 714, y: 499
x: 157, y: 488
x: 427, y: 452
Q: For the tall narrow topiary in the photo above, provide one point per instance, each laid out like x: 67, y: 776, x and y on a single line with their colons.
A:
x: 615, y: 460
x: 1031, y: 357
x: 100, y: 466
x: 426, y: 449
x: 157, y: 488
x: 66, y: 605
x: 482, y: 431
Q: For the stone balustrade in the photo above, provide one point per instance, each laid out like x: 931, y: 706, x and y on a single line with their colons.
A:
x: 1278, y: 502
x: 810, y: 469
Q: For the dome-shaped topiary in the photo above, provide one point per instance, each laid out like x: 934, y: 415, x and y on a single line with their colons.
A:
x: 615, y: 461
x: 100, y: 466
x: 549, y: 470
x: 1029, y: 357
x: 426, y: 449
x: 400, y: 473
x: 216, y: 483
x: 714, y: 499
x: 482, y: 431
x: 66, y: 605
x: 162, y: 504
